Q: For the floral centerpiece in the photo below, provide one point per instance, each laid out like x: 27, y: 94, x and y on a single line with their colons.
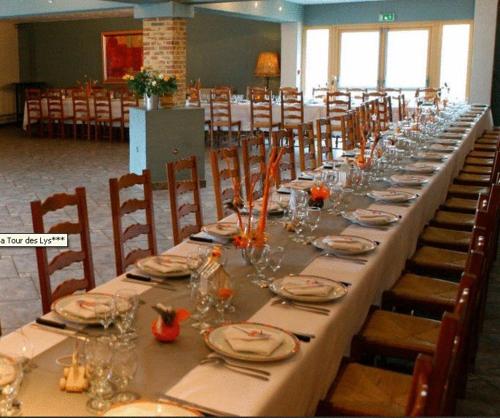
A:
x: 151, y: 84
x: 87, y: 84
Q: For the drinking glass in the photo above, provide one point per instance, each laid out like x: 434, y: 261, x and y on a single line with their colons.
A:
x: 11, y: 376
x: 124, y: 368
x: 258, y: 257
x: 298, y: 219
x: 202, y: 300
x: 126, y: 304
x: 98, y: 360
x: 194, y: 261
x: 298, y: 200
x: 276, y: 256
x: 346, y: 198
x: 104, y: 311
x: 312, y: 220
x: 223, y: 292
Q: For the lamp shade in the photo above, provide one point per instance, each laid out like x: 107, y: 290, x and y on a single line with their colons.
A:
x: 267, y: 65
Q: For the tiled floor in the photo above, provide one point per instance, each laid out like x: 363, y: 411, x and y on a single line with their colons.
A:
x: 35, y: 168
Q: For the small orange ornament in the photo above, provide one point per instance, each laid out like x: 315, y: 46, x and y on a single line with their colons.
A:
x: 224, y: 293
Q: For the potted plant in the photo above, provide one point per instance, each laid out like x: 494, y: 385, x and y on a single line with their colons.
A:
x: 151, y: 85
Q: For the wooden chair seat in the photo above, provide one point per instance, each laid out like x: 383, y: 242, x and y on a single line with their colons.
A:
x: 477, y: 169
x: 458, y: 204
x: 482, y: 154
x: 395, y: 334
x: 475, y: 179
x: 485, y: 147
x: 427, y: 293
x: 363, y: 390
x: 222, y: 124
x: 446, y: 238
x: 488, y: 141
x: 480, y: 161
x: 467, y: 191
x: 439, y: 260
x: 454, y: 220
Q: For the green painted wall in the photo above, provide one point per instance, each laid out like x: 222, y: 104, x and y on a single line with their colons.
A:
x: 221, y: 50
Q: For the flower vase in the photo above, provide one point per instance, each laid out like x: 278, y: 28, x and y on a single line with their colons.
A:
x: 151, y: 102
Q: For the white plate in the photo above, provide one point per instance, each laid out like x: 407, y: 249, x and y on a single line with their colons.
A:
x: 60, y: 304
x: 431, y: 156
x: 213, y: 229
x: 397, y: 196
x: 151, y: 409
x: 368, y: 245
x: 408, y: 179
x: 391, y: 218
x: 153, y: 272
x: 419, y: 168
x: 216, y: 341
x: 338, y: 290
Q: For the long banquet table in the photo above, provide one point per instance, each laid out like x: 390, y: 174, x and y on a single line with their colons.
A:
x: 296, y: 384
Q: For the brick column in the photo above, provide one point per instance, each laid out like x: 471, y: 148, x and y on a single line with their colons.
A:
x: 165, y: 42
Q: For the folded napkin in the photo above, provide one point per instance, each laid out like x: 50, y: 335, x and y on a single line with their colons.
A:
x: 388, y: 195
x: 305, y: 287
x: 163, y: 265
x: 405, y: 178
x: 371, y: 217
x: 224, y: 229
x: 343, y: 243
x: 249, y: 340
x: 85, y: 307
x: 420, y: 167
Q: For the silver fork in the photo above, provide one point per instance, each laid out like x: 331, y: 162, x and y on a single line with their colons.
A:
x: 234, y: 364
x: 307, y: 308
x: 247, y: 371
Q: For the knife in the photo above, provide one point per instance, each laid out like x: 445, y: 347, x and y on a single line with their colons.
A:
x: 58, y: 325
x: 156, y: 282
x: 201, y: 239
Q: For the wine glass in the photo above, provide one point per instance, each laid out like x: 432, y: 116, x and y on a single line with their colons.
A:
x: 98, y: 361
x: 298, y: 220
x: 126, y: 302
x: 201, y: 298
x: 11, y: 376
x: 258, y: 257
x: 276, y: 256
x: 124, y: 368
x: 312, y: 220
x: 104, y: 310
x: 223, y: 292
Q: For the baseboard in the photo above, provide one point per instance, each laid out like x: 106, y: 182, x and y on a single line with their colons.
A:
x: 7, y: 118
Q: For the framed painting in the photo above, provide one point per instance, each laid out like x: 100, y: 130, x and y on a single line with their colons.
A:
x: 122, y: 53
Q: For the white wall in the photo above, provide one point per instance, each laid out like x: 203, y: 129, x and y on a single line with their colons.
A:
x: 9, y: 70
x: 483, y: 53
x: 291, y: 54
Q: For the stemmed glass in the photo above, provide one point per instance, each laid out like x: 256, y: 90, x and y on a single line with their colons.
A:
x: 98, y: 360
x: 276, y: 256
x: 202, y: 300
x: 258, y: 257
x: 312, y: 220
x: 195, y: 259
x: 223, y: 292
x: 104, y: 311
x: 11, y: 375
x: 124, y: 368
x: 298, y: 219
x: 126, y: 304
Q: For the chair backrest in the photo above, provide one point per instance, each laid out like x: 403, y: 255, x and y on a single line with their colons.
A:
x: 34, y: 103
x: 220, y: 106
x: 324, y: 142
x: 254, y: 165
x: 292, y: 108
x: 102, y: 104
x: 319, y: 93
x: 284, y: 138
x: 182, y: 209
x: 337, y: 103
x: 348, y: 130
x: 256, y: 89
x: 307, y: 147
x: 127, y: 100
x: 356, y: 92
x: 369, y: 95
x: 68, y: 257
x: 427, y: 95
x: 261, y: 109
x: 225, y: 168
x: 120, y: 209
x: 81, y: 107
x: 55, y: 106
x: 417, y: 401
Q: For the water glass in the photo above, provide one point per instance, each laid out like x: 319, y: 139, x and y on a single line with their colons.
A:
x: 298, y: 220
x: 11, y: 376
x: 276, y: 257
x: 104, y: 311
x: 223, y: 293
x: 312, y: 220
x: 202, y: 301
x: 98, y: 360
x: 258, y: 257
x: 126, y: 304
x: 124, y: 368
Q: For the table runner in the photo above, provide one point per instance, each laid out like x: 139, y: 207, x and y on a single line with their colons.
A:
x: 298, y: 383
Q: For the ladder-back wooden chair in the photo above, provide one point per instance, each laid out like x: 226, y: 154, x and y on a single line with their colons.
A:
x: 307, y: 147
x: 120, y: 208
x: 127, y: 100
x: 220, y: 113
x: 430, y: 95
x: 337, y: 103
x: 320, y: 93
x: 348, y: 130
x: 35, y: 110
x: 261, y: 113
x: 292, y: 108
x: 81, y: 112
x: 254, y: 165
x: 225, y: 169
x: 357, y: 92
x: 284, y: 138
x: 177, y: 189
x: 67, y: 257
x: 103, y: 114
x: 56, y: 113
x: 324, y: 141
x: 194, y: 98
x: 256, y: 90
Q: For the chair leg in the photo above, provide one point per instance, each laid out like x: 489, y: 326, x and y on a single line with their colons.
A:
x: 74, y: 131
x: 122, y: 133
x: 110, y: 132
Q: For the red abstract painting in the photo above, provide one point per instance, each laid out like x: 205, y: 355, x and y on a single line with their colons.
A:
x: 122, y: 54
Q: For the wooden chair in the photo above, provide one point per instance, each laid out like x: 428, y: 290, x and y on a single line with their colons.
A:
x: 194, y: 98
x: 320, y: 93
x: 257, y: 90
x: 103, y: 113
x: 35, y: 110
x: 307, y: 147
x: 381, y: 108
x: 68, y: 257
x: 337, y: 103
x: 81, y: 112
x: 177, y: 188
x: 357, y: 92
x: 347, y: 124
x: 220, y: 113
x: 127, y: 100
x: 225, y: 167
x: 261, y: 113
x: 324, y: 141
x: 430, y: 95
x: 119, y: 209
x: 56, y: 114
x: 284, y: 139
x: 292, y: 108
x: 254, y: 165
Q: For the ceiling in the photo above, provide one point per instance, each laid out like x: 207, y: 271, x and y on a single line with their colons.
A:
x: 326, y: 1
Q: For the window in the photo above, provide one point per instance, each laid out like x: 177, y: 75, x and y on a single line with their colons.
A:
x: 406, y: 59
x: 359, y: 52
x: 455, y: 59
x: 316, y: 63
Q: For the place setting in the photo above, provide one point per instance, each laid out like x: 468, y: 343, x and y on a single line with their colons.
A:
x: 345, y: 247
x: 392, y: 196
x: 419, y: 168
x: 409, y: 180
x: 371, y: 218
x: 430, y: 156
x: 441, y: 148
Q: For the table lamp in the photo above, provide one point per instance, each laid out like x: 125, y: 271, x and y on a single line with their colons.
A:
x: 267, y: 66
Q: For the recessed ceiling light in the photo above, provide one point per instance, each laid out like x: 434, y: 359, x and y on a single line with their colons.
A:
x: 256, y: 4
x: 280, y: 8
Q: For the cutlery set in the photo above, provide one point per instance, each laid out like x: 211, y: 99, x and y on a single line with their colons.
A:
x: 150, y: 281
x: 301, y: 306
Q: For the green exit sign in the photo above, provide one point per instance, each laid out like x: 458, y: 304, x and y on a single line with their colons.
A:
x: 387, y: 17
